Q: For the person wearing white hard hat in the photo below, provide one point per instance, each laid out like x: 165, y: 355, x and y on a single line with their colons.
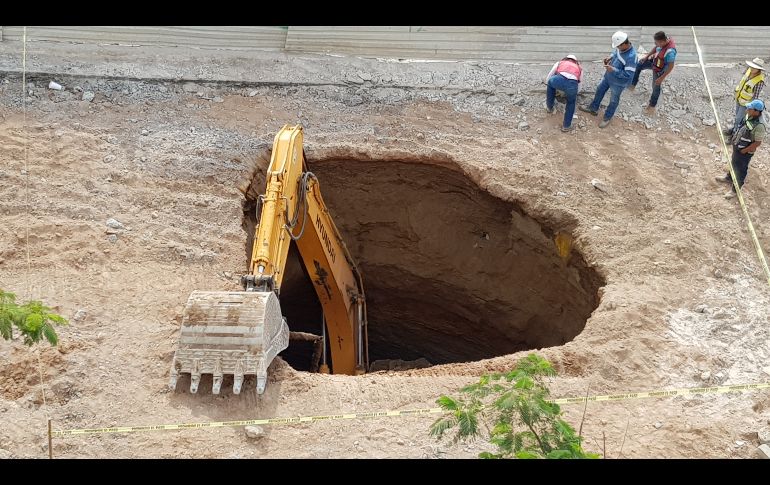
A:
x: 620, y: 68
x: 747, y: 90
x: 747, y: 137
x: 564, y: 76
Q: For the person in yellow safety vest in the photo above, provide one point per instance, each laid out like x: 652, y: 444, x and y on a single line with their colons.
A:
x: 747, y: 137
x: 748, y: 89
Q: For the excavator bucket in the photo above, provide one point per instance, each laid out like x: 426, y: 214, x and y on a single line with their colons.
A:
x: 229, y: 332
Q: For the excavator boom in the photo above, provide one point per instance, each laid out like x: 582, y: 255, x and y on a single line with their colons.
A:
x: 241, y: 332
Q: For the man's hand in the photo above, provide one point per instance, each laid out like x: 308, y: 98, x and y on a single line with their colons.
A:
x: 659, y: 81
x: 607, y: 60
x: 609, y: 68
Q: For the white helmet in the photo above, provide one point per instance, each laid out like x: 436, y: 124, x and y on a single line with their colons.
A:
x: 618, y: 38
x: 571, y: 56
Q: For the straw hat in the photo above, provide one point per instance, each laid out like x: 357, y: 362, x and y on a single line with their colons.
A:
x: 756, y: 63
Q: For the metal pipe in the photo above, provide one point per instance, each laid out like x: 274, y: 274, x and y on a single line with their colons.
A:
x: 324, y: 368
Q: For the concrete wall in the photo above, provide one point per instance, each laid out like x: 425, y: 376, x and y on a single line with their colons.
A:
x: 246, y: 38
x: 510, y: 44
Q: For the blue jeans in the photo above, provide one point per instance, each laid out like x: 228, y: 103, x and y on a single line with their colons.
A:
x: 740, y: 114
x: 740, y: 165
x: 655, y: 75
x: 615, y: 92
x: 570, y: 88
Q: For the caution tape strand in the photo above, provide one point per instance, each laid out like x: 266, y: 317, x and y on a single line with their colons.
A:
x: 407, y: 412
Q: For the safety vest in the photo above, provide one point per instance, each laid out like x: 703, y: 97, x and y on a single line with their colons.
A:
x: 744, y: 134
x: 744, y: 92
x: 659, y: 60
x: 570, y: 66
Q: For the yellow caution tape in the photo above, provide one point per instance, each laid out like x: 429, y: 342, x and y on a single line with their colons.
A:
x: 408, y: 412
x: 727, y: 157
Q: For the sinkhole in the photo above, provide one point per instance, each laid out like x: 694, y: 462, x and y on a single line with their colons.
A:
x: 451, y: 273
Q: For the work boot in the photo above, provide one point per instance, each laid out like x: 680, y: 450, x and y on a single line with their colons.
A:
x: 723, y: 178
x: 587, y: 110
x: 549, y: 110
x: 729, y: 194
x: 568, y: 130
x: 604, y: 123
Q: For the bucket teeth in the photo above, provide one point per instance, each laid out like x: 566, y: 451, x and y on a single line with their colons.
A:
x: 237, y: 383
x: 173, y: 377
x: 195, y: 380
x: 217, y: 384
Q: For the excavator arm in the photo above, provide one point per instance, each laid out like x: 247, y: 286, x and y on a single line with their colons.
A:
x: 241, y: 332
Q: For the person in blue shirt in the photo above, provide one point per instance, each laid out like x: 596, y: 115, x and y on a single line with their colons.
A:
x: 620, y: 67
x: 661, y: 61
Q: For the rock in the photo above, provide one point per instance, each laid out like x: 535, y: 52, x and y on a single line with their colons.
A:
x: 719, y: 376
x: 80, y: 315
x: 5, y: 454
x: 420, y: 136
x: 112, y: 140
x: 599, y: 185
x: 712, y: 145
x: 113, y: 238
x: 682, y: 165
x: 678, y: 113
x: 252, y: 93
x: 218, y: 99
x: 55, y: 86
x: 519, y: 101
x: 718, y: 273
x: 766, y: 370
x: 255, y: 432
x: 701, y: 308
x: 109, y: 158
x: 763, y: 451
x: 658, y: 425
x: 154, y: 214
x: 561, y: 194
x: 115, y: 224
x: 492, y: 99
x: 145, y: 132
x: 354, y: 79
x: 705, y: 376
x: 709, y: 121
x: 523, y: 126
x: 763, y: 436
x: 88, y: 96
x: 740, y: 443
x: 647, y: 125
x: 364, y: 75
x: 355, y: 443
x: 190, y: 88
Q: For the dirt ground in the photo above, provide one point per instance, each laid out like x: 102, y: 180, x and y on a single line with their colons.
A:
x: 684, y: 304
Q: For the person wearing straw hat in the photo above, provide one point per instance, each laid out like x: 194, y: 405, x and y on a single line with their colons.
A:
x: 747, y: 137
x: 564, y: 76
x: 747, y: 90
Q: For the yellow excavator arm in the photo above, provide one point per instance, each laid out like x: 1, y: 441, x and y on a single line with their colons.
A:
x: 241, y: 332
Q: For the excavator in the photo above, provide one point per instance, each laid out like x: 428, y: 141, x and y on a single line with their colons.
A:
x: 239, y: 333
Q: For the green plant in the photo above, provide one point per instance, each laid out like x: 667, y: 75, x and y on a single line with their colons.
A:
x: 34, y: 320
x: 524, y: 423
